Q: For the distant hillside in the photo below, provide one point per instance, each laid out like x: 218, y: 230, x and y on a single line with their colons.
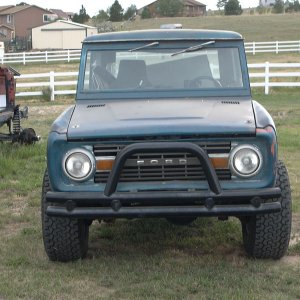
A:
x: 253, y: 27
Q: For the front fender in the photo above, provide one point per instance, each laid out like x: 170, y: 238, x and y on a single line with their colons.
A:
x: 61, y: 124
x: 262, y: 117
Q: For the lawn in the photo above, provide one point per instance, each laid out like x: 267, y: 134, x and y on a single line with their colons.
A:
x: 148, y: 259
x: 140, y: 259
x: 258, y: 28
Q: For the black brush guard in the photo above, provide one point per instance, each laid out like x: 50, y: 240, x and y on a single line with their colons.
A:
x: 211, y: 202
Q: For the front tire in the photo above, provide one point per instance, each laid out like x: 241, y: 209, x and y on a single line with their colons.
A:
x: 65, y: 239
x: 268, y: 236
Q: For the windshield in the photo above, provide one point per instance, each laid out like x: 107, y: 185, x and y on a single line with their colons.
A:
x: 159, y: 69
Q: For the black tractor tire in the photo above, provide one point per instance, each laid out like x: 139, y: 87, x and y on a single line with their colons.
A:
x: 267, y: 236
x: 65, y: 239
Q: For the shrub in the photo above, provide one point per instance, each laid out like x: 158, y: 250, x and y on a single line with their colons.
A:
x: 46, y: 93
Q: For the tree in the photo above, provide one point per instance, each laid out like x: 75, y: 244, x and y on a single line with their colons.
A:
x: 221, y: 3
x: 130, y: 12
x: 292, y: 7
x: 278, y: 7
x: 146, y: 14
x: 261, y: 9
x: 116, y: 12
x: 169, y: 8
x: 102, y: 16
x: 296, y: 5
x: 233, y: 7
x: 82, y: 17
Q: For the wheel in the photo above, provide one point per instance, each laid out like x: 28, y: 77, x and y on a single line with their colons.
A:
x: 65, y: 239
x: 268, y: 236
x: 181, y: 221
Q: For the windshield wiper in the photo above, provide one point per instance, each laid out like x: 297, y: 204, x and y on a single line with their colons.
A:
x: 193, y: 48
x: 145, y: 46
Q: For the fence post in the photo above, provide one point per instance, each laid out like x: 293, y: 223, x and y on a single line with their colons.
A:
x: 52, y: 84
x: 267, y: 78
x: 253, y: 48
x: 68, y: 55
x: 24, y: 58
x: 277, y: 47
x: 46, y: 56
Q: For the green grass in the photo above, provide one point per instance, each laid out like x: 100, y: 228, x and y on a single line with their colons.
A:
x: 258, y: 28
x: 148, y: 259
x: 140, y: 259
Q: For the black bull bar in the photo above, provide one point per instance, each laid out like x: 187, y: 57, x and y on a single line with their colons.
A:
x: 211, y: 202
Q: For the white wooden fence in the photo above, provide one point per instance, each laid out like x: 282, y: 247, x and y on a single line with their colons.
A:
x: 272, y: 47
x: 274, y: 78
x: 41, y: 56
x: 52, y: 82
x: 268, y: 72
x: 73, y: 55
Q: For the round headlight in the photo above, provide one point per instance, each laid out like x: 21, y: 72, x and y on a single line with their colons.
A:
x: 79, y: 164
x: 245, y: 161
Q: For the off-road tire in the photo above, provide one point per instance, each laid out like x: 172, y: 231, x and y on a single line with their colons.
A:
x: 268, y: 236
x: 65, y: 239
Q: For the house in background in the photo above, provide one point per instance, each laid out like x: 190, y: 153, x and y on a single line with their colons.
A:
x: 16, y: 23
x: 62, y: 15
x: 61, y: 34
x: 267, y: 2
x: 191, y: 8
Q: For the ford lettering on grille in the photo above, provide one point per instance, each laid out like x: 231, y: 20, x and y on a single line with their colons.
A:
x: 162, y: 166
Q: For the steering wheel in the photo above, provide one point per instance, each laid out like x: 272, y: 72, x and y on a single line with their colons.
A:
x: 198, y: 82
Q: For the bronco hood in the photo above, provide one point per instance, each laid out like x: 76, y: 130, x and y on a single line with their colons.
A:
x: 116, y: 118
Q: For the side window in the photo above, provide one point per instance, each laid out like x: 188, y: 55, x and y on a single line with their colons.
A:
x: 87, y: 72
x: 48, y: 18
x: 100, y: 70
x: 230, y: 68
x: 213, y: 59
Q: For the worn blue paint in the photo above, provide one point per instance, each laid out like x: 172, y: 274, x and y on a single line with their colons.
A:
x: 165, y: 35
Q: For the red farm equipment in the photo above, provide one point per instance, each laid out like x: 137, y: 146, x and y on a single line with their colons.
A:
x: 10, y: 113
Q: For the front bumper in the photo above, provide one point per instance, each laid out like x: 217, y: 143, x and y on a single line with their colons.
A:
x: 211, y: 202
x: 94, y: 205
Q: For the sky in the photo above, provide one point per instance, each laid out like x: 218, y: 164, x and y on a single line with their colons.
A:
x: 92, y: 6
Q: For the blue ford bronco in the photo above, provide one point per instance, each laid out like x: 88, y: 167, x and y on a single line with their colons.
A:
x: 164, y: 125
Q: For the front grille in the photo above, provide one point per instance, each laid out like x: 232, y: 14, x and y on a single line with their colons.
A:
x: 162, y: 166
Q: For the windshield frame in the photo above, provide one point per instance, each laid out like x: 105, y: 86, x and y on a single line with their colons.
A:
x: 156, y: 94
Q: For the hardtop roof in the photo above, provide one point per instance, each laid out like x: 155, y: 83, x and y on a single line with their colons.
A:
x: 163, y: 34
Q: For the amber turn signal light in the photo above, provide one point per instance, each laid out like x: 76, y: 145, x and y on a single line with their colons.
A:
x: 105, y: 164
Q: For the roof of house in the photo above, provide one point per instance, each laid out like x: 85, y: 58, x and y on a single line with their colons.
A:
x: 15, y: 9
x: 193, y: 3
x: 67, y: 22
x: 74, y: 23
x: 5, y: 7
x: 60, y: 13
x: 5, y: 25
x: 186, y: 2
